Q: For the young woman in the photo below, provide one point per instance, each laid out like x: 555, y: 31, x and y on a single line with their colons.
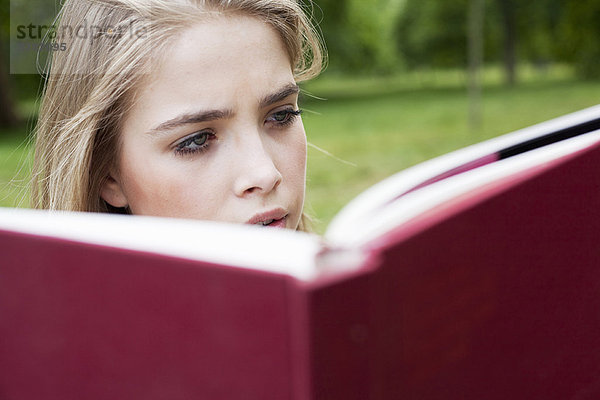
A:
x: 180, y: 108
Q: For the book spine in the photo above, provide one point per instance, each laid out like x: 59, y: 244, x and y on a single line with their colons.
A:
x: 299, y: 340
x: 331, y: 335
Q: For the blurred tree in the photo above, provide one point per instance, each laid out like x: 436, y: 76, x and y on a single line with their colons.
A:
x: 508, y: 15
x: 476, y: 18
x: 8, y: 113
x: 537, y: 26
x: 332, y: 23
x: 580, y: 31
x: 360, y: 34
x: 433, y: 33
x: 373, y: 23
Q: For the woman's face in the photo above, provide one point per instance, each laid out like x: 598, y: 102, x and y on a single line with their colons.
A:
x: 215, y: 134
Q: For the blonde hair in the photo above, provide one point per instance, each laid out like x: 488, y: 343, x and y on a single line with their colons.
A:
x: 110, y: 47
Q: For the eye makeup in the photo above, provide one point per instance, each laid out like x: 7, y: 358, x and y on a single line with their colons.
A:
x: 283, y: 118
x: 195, y: 143
x: 199, y: 142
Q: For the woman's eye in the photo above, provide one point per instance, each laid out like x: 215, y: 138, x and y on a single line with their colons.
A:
x: 281, y: 116
x: 284, y: 117
x: 194, y: 143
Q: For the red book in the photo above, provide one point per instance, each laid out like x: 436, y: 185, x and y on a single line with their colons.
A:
x: 472, y: 276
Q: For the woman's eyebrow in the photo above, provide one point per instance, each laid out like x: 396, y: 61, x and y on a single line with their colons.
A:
x: 212, y: 115
x: 281, y: 94
x: 191, y: 118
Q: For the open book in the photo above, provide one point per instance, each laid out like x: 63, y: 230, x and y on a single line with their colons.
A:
x: 473, y: 275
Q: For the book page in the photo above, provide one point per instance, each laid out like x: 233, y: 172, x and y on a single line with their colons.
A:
x: 266, y: 249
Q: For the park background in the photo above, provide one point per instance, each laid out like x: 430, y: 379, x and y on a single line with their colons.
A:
x: 407, y: 80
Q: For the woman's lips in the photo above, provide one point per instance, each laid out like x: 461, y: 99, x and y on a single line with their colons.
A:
x: 275, y: 218
x: 278, y: 223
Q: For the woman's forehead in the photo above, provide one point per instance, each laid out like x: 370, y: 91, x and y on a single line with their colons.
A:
x: 215, y: 65
x: 217, y: 39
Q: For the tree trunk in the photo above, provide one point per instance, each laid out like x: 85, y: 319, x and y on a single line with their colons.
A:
x: 475, y: 39
x: 508, y: 14
x: 8, y: 114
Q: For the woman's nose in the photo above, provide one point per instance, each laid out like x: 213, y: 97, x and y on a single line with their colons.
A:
x: 257, y: 172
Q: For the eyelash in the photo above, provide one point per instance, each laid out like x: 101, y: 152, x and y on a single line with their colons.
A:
x: 290, y: 116
x: 182, y: 148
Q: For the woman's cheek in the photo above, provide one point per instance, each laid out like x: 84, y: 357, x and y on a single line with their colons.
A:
x: 153, y: 185
x: 300, y: 151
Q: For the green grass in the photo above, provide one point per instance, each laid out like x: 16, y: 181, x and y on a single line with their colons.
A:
x: 380, y: 126
x: 14, y: 168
